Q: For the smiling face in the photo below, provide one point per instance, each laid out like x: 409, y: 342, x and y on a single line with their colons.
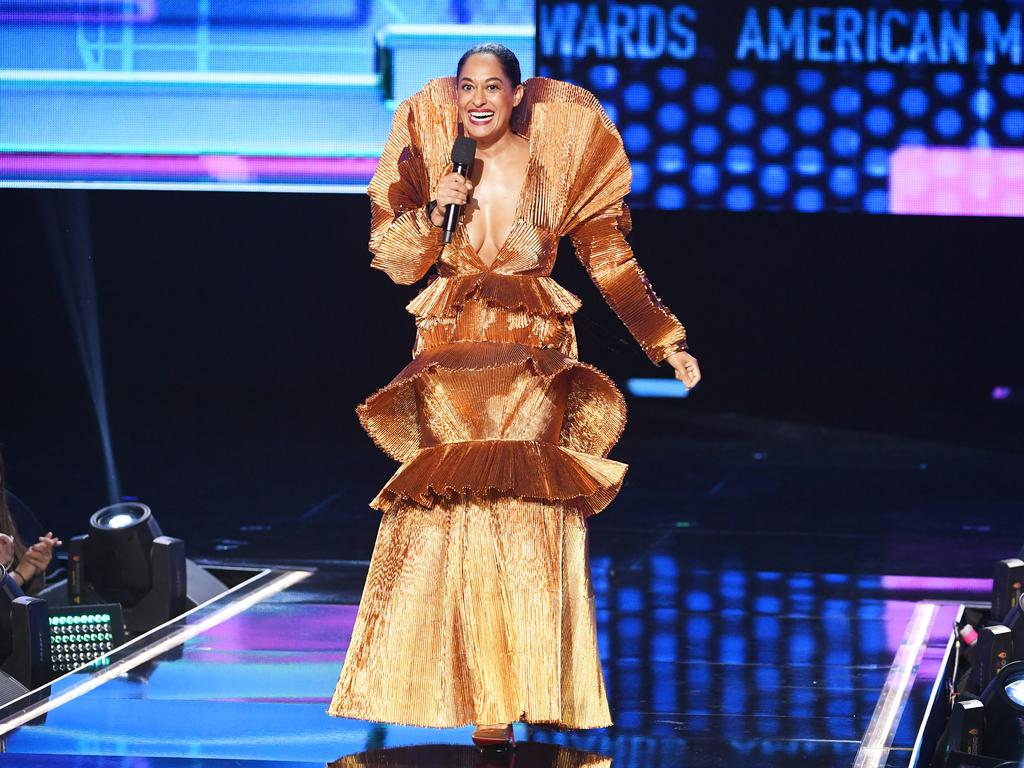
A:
x: 486, y: 98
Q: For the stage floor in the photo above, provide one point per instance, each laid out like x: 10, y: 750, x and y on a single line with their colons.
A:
x: 769, y: 595
x: 704, y: 668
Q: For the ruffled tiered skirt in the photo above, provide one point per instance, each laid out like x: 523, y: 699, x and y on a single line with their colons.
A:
x: 479, y: 607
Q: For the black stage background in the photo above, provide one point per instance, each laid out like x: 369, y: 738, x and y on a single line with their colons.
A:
x: 240, y: 330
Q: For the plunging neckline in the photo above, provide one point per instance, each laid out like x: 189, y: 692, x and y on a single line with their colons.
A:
x: 517, y: 219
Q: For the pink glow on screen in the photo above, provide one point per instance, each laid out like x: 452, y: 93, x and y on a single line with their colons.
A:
x: 224, y: 168
x: 78, y: 11
x: 936, y: 584
x: 954, y: 181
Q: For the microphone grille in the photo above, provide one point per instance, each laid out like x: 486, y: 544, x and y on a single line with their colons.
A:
x: 463, y: 151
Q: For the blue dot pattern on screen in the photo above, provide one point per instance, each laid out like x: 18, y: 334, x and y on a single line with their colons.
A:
x: 705, y: 139
x: 802, y: 138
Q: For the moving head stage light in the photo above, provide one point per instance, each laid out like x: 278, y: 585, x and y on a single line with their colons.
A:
x: 126, y: 559
x: 1004, y: 714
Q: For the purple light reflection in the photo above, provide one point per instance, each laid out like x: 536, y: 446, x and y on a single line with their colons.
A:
x: 936, y: 584
x: 288, y: 630
x: 187, y: 167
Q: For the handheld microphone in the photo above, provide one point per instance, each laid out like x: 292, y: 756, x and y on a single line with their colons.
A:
x: 463, y: 155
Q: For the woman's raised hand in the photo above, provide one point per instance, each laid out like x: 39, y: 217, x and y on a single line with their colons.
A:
x: 687, y: 370
x: 453, y: 189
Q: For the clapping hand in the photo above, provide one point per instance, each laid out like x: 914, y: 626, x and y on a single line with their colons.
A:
x: 40, y: 554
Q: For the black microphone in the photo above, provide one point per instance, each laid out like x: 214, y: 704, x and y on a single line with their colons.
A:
x: 463, y: 155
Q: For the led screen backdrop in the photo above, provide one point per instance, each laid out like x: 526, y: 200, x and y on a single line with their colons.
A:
x: 224, y: 94
x: 877, y: 106
x: 880, y: 107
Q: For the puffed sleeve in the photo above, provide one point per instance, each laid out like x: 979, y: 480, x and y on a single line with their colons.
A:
x: 403, y: 241
x: 600, y: 244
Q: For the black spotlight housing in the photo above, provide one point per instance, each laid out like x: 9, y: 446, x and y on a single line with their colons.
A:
x: 126, y: 559
x: 1015, y: 623
x: 118, y: 552
x: 1007, y: 587
x: 1004, y: 713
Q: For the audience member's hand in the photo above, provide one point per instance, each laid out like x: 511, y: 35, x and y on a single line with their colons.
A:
x: 40, y: 554
x: 6, y: 550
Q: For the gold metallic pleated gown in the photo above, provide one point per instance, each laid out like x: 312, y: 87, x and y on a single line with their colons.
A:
x: 478, y: 606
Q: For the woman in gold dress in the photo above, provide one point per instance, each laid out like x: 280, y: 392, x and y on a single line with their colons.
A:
x: 478, y: 607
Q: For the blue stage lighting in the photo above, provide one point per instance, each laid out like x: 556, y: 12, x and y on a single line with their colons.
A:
x: 704, y: 179
x: 739, y: 159
x: 809, y: 161
x: 774, y: 180
x: 879, y: 81
x: 843, y: 181
x: 876, y: 162
x: 810, y: 120
x: 699, y: 602
x: 706, y: 98
x: 879, y: 121
x: 1013, y: 84
x: 671, y: 117
x: 672, y: 78
x: 739, y: 199
x: 810, y: 80
x: 774, y: 140
x: 1013, y: 124
x: 808, y: 200
x: 670, y: 197
x: 637, y: 97
x: 845, y: 101
x: 705, y: 139
x: 612, y: 109
x: 914, y: 137
x: 671, y: 158
x: 982, y: 103
x: 914, y: 102
x: 981, y: 138
x: 775, y: 100
x: 641, y: 177
x: 636, y: 137
x: 845, y: 141
x: 948, y: 122
x: 948, y: 83
x: 740, y: 118
x: 604, y: 77
x: 876, y: 201
x: 741, y: 80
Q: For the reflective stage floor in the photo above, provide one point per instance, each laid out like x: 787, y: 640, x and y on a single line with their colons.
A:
x: 788, y: 607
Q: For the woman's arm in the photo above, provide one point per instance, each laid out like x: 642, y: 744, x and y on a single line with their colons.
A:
x: 601, y: 247
x: 403, y: 240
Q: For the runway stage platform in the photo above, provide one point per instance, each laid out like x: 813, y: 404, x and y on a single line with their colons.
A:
x: 782, y: 598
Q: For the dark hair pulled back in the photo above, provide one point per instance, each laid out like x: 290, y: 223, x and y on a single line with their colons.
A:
x: 509, y: 62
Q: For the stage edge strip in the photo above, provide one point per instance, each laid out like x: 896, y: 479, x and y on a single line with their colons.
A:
x: 147, y: 653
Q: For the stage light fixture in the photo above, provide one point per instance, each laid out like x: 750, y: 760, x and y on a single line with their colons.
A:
x: 118, y: 551
x: 964, y: 733
x: 1015, y: 623
x: 1006, y: 587
x: 81, y: 634
x: 126, y: 559
x: 24, y: 635
x: 1004, y: 713
x: 991, y: 653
